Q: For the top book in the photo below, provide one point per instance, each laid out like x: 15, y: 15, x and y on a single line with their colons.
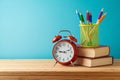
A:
x: 94, y: 52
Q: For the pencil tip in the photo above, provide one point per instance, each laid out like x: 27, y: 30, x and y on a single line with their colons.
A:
x: 87, y: 11
x: 76, y: 11
x: 105, y: 13
x: 80, y: 13
x: 102, y: 9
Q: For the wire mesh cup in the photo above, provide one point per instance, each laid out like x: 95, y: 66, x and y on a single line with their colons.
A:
x: 89, y: 35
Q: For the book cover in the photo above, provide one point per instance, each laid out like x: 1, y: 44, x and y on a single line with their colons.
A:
x: 93, y: 62
x: 94, y: 52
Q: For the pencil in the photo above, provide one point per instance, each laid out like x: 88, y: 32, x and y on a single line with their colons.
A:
x: 82, y: 18
x: 101, y: 19
x: 90, y: 15
x: 100, y: 14
x: 78, y: 14
x: 87, y: 16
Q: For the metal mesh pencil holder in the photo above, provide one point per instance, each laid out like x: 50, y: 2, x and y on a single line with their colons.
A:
x: 89, y: 35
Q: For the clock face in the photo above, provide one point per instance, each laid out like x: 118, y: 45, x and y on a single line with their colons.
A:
x: 63, y: 52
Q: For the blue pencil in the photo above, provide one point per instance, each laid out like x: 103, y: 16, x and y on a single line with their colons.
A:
x: 78, y: 14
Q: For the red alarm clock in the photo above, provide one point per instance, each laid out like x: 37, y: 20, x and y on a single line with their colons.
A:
x: 65, y: 50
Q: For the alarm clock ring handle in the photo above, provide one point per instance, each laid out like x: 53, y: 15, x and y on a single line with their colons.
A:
x: 70, y: 36
x: 65, y: 31
x: 58, y: 37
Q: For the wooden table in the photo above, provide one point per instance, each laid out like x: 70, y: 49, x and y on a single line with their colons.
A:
x: 44, y: 70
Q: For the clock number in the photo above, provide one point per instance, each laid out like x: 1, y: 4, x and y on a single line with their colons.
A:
x: 63, y: 59
x: 67, y: 58
x: 56, y: 55
x: 68, y: 46
x: 59, y: 58
x: 56, y: 48
x: 64, y: 44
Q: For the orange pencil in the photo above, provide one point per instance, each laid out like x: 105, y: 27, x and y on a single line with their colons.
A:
x: 101, y: 19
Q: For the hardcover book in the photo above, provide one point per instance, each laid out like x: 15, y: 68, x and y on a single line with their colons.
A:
x: 94, y: 52
x: 92, y: 62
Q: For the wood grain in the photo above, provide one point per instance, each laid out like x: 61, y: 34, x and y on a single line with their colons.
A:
x: 38, y: 69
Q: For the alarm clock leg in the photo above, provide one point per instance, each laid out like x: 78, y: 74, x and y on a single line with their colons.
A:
x: 55, y: 64
x: 72, y: 63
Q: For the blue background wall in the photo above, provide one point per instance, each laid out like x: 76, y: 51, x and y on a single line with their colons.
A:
x: 27, y: 26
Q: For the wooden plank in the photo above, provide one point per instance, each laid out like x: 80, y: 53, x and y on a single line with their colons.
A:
x: 44, y: 70
x: 47, y: 66
x: 56, y: 78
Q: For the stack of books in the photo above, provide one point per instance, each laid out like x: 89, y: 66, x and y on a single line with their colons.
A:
x: 92, y: 57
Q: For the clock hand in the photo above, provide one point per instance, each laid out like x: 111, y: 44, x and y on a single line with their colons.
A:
x: 62, y: 51
x: 69, y: 49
